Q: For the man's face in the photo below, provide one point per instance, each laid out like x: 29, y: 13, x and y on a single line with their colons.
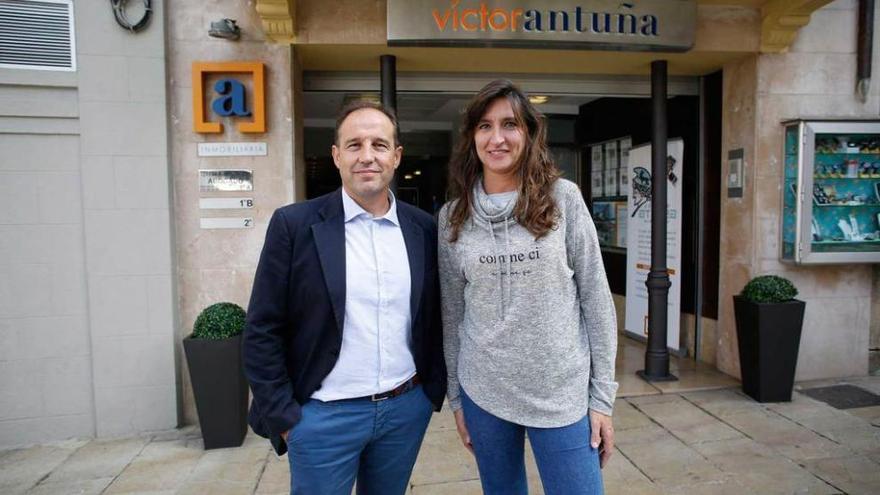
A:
x: 366, y: 153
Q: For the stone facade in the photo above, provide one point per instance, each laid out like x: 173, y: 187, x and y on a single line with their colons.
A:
x: 87, y: 307
x: 103, y: 264
x: 218, y: 265
x: 816, y: 78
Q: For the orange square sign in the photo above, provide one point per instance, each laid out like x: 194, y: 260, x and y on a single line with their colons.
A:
x: 231, y: 100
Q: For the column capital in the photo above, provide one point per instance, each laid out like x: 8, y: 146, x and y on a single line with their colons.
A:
x: 781, y: 20
x: 278, y: 18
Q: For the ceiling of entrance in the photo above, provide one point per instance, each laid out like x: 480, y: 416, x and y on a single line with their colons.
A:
x: 501, y: 60
x: 437, y: 111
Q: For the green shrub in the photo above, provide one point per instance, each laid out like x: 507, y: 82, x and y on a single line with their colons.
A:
x: 769, y: 289
x: 219, y: 321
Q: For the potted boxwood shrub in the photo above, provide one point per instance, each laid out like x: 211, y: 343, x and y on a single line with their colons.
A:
x: 768, y: 327
x: 213, y: 353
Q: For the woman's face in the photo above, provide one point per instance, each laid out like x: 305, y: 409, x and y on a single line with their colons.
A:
x: 499, y: 139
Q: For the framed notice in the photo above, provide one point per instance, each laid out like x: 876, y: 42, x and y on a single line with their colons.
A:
x: 597, y: 158
x: 225, y: 180
x: 611, y: 182
x: 597, y: 185
x: 611, y: 161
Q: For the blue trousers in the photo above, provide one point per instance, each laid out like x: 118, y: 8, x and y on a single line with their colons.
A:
x: 566, y: 461
x: 374, y: 442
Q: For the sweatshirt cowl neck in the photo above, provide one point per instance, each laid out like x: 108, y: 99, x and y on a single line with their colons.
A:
x: 485, y: 210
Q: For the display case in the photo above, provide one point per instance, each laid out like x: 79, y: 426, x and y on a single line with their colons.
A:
x: 831, y: 192
x: 609, y: 188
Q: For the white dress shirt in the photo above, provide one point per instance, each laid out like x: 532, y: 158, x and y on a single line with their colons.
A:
x: 376, y: 336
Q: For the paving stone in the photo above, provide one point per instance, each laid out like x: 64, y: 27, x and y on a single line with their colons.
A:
x: 21, y: 469
x: 759, y: 468
x: 669, y: 459
x: 620, y: 473
x: 630, y: 385
x: 830, y: 421
x: 443, y: 458
x: 869, y: 414
x: 77, y: 487
x: 722, y: 403
x: 471, y: 487
x: 818, y: 448
x: 444, y: 420
x: 770, y: 428
x: 631, y: 488
x: 801, y: 406
x: 637, y: 436
x: 234, y: 472
x: 863, y: 439
x: 687, y: 422
x: 627, y: 417
x: 724, y: 486
x: 689, y: 380
x: 162, y: 466
x: 853, y: 475
x: 98, y: 459
x: 275, y: 477
x: 216, y: 488
x: 652, y: 399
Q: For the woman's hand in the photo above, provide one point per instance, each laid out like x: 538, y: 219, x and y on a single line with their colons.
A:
x: 602, y: 436
x: 463, y: 431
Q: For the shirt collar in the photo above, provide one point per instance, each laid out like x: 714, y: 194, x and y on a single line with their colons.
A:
x: 353, y: 210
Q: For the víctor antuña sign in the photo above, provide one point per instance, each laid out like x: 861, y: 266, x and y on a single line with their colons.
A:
x: 636, y: 25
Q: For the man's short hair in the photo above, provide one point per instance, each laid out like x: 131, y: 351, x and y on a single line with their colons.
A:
x: 356, y: 105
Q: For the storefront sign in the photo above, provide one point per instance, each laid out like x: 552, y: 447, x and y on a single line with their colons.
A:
x: 639, y: 25
x: 229, y: 96
x: 233, y: 149
x: 638, y: 243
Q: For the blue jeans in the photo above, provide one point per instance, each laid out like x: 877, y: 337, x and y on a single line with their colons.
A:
x: 566, y: 461
x: 375, y: 442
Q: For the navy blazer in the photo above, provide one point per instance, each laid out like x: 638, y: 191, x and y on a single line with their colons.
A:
x: 295, y: 318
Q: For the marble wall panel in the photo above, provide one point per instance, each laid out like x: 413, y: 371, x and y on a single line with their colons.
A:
x: 815, y: 79
x: 218, y: 265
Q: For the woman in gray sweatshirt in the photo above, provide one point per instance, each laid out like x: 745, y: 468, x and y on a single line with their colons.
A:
x: 530, y: 331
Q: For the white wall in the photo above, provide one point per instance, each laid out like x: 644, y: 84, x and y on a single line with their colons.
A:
x: 86, y: 292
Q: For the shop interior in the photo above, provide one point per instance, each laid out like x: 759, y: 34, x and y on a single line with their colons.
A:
x: 578, y: 123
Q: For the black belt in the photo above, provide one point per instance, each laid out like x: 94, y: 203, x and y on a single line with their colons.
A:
x: 399, y: 390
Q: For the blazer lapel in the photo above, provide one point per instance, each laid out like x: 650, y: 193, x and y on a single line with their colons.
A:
x: 330, y: 243
x: 415, y: 251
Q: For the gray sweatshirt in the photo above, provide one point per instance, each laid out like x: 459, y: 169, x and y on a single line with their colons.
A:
x: 530, y: 331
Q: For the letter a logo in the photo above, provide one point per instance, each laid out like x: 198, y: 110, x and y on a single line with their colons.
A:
x: 232, y: 100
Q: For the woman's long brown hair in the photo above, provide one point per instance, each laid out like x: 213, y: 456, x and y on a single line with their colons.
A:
x: 535, y: 209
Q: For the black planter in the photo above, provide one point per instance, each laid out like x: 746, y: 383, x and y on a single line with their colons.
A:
x: 220, y: 388
x: 769, y: 337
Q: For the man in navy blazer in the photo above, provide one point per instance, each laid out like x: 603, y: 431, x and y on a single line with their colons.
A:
x: 343, y: 346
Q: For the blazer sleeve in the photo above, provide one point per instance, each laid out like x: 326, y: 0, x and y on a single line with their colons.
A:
x: 266, y: 332
x: 438, y: 360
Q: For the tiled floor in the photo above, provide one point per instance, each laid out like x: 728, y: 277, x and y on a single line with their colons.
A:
x: 698, y: 435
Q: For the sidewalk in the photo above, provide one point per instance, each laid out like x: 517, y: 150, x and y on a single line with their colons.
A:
x: 713, y: 441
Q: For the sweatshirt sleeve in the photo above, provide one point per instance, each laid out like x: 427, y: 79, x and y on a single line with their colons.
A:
x: 597, y: 306
x: 452, y: 283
